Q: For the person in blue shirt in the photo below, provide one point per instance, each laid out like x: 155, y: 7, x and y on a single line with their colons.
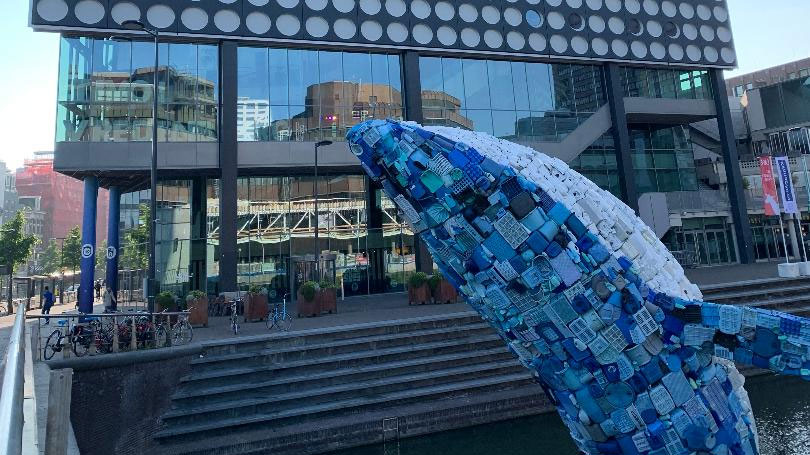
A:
x: 47, y: 303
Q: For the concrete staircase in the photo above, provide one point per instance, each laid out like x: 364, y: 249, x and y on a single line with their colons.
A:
x: 790, y: 295
x: 326, y: 389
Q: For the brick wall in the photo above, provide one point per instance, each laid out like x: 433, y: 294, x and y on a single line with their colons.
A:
x: 116, y: 409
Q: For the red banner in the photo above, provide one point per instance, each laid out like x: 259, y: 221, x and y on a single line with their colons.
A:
x: 768, y: 186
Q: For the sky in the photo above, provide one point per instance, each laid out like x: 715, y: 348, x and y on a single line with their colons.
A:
x: 766, y: 33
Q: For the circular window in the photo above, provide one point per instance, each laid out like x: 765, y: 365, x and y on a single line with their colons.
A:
x: 576, y: 22
x: 634, y: 27
x: 533, y: 18
x: 672, y: 30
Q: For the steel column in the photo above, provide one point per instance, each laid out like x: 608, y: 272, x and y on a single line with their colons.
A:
x: 228, y: 163
x: 113, y: 243
x: 731, y: 161
x: 412, y: 84
x: 621, y: 135
x: 88, y: 252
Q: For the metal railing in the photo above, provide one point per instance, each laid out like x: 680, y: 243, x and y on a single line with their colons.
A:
x: 11, y: 397
x: 80, y: 334
x: 700, y: 201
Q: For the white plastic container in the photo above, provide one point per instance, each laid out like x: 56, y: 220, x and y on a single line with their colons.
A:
x: 804, y: 268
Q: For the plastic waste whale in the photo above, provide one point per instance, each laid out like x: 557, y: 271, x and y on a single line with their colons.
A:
x: 582, y: 292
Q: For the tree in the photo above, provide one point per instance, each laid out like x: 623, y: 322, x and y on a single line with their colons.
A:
x: 72, y: 251
x: 101, y: 257
x: 15, y: 248
x: 133, y: 254
x: 51, y: 257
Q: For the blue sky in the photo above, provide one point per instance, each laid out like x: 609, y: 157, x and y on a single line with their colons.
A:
x: 766, y: 33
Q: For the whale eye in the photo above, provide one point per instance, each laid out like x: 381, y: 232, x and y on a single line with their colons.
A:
x: 356, y: 149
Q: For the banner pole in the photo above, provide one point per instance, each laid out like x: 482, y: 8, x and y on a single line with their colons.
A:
x: 784, y: 242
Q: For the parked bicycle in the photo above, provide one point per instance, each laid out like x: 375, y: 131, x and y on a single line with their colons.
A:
x: 182, y: 332
x: 235, y: 316
x: 279, y: 317
x: 79, y: 338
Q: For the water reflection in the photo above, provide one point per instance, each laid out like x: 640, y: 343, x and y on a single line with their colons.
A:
x: 781, y: 406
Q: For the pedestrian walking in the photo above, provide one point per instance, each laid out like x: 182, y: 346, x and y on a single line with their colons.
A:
x: 98, y: 289
x: 47, y: 304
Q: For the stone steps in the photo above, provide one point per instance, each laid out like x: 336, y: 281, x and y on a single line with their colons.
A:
x: 331, y: 349
x: 267, y: 401
x: 348, y: 374
x: 341, y: 382
x: 254, y: 373
x: 375, y: 425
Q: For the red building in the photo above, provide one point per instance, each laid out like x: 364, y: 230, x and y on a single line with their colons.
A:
x: 61, y: 198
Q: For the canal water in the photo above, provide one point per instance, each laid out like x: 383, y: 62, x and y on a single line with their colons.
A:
x: 781, y: 407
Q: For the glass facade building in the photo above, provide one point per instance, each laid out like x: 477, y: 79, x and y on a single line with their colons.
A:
x: 314, y: 95
x: 105, y: 91
x: 511, y: 100
x: 285, y: 98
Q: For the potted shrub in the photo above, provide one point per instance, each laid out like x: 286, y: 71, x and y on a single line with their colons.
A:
x: 255, y: 304
x: 165, y: 301
x: 418, y: 289
x: 328, y: 297
x: 443, y: 291
x: 307, y: 299
x: 197, y: 302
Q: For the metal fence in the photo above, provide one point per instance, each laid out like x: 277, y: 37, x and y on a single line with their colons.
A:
x: 79, y: 335
x: 11, y: 397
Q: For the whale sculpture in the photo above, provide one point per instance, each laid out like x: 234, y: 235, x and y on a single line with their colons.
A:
x: 582, y: 292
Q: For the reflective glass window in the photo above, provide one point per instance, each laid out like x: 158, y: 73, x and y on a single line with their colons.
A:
x: 106, y: 91
x: 313, y: 95
x: 522, y: 101
x: 501, y: 90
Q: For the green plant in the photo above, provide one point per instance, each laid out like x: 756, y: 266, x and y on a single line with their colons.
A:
x: 255, y: 289
x: 434, y: 282
x: 165, y: 299
x: 418, y: 279
x: 327, y: 285
x: 195, y: 295
x: 15, y: 247
x: 309, y: 289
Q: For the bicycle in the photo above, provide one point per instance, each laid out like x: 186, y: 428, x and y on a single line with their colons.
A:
x: 235, y: 316
x: 182, y: 332
x: 279, y: 317
x: 79, y: 338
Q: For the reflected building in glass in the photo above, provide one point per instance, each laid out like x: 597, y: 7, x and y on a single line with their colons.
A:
x: 241, y: 110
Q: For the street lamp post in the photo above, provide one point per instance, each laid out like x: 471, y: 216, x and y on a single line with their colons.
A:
x: 139, y: 26
x: 317, y: 227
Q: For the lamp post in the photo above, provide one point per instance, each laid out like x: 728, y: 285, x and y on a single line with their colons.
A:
x: 139, y: 26
x: 317, y: 227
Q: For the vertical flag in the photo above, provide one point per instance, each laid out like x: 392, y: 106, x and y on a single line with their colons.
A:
x: 786, y: 184
x: 768, y: 186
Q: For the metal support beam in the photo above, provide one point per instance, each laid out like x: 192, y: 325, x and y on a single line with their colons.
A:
x: 113, y: 243
x: 88, y: 253
x: 731, y: 161
x: 413, y: 111
x: 621, y: 135
x: 228, y: 166
x: 412, y: 85
x: 198, y: 273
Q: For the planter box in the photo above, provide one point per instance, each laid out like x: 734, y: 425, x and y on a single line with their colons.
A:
x: 255, y: 307
x: 419, y: 296
x: 198, y: 313
x: 328, y: 300
x: 445, y: 293
x: 308, y: 309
